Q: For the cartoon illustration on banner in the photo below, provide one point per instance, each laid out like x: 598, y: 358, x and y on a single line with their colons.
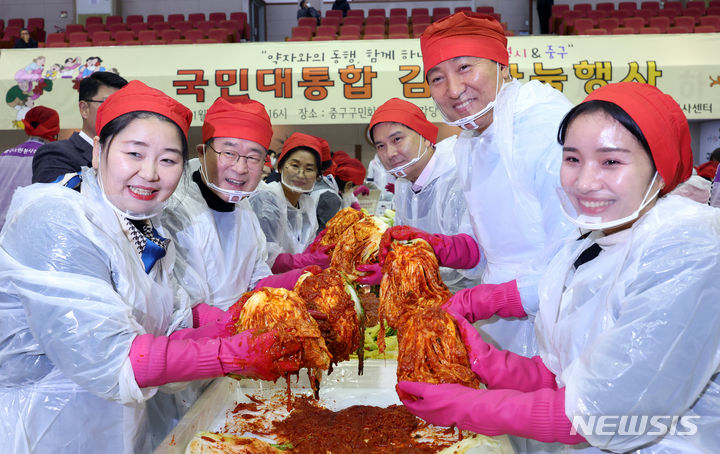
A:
x: 35, y: 78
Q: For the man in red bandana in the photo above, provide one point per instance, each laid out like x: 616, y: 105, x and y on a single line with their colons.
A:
x: 507, y: 159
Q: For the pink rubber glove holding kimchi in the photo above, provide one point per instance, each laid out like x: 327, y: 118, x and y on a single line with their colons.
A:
x: 157, y: 360
x: 454, y: 251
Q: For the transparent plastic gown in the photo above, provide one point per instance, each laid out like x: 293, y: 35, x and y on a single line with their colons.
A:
x: 635, y: 331
x: 73, y: 296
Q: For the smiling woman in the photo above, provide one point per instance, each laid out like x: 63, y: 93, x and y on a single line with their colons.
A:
x: 146, y: 153
x: 90, y: 313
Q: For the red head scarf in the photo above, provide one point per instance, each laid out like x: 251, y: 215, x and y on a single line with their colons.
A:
x: 298, y: 139
x: 246, y: 119
x: 661, y: 121
x: 349, y: 169
x: 41, y: 121
x: 464, y: 34
x: 135, y: 97
x: 406, y: 113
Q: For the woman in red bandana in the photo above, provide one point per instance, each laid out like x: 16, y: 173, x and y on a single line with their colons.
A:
x: 628, y: 319
x: 92, y: 320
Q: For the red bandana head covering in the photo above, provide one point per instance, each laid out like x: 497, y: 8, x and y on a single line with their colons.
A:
x: 349, y: 169
x: 41, y: 121
x: 398, y: 111
x: 464, y: 34
x: 298, y: 139
x: 661, y: 121
x: 245, y: 119
x: 136, y: 97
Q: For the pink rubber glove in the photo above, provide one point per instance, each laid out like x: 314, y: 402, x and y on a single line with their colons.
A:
x: 454, y: 251
x: 390, y: 187
x: 539, y: 415
x: 485, y: 300
x: 204, y: 313
x: 501, y: 369
x: 286, y: 262
x: 284, y: 280
x: 356, y: 206
x: 315, y: 245
x: 361, y: 190
x: 160, y: 360
x: 373, y: 276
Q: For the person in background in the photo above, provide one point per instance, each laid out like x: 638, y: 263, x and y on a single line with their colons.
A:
x: 428, y: 199
x: 628, y: 320
x: 267, y: 168
x: 708, y: 169
x: 285, y: 209
x: 325, y: 193
x: 54, y: 160
x: 25, y: 41
x: 42, y: 125
x: 342, y: 5
x: 544, y: 10
x: 378, y: 178
x: 306, y: 10
x: 93, y: 321
x: 350, y: 176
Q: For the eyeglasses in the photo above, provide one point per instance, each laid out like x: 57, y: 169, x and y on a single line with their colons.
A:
x: 99, y: 101
x: 230, y: 158
x: 298, y: 170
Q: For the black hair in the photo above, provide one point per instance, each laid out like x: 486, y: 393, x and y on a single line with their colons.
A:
x: 715, y: 155
x: 89, y: 86
x: 314, y: 152
x: 116, y: 125
x: 611, y: 109
x: 341, y: 184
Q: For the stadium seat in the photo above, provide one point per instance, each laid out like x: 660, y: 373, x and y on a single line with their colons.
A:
x: 353, y: 21
x: 622, y: 31
x: 307, y: 22
x: 605, y: 6
x: 374, y: 30
x: 54, y: 38
x: 398, y: 12
x: 217, y: 17
x: 398, y: 20
x: 93, y: 20
x: 356, y: 13
x: 109, y: 20
x: 196, y: 17
x: 376, y: 12
x: 660, y: 22
x: 77, y: 37
x: 705, y: 29
x: 99, y: 36
x: 302, y: 32
x: 650, y: 31
x: 375, y: 20
x: 170, y: 35
x: 685, y: 21
x: 172, y: 19
x: 221, y: 35
x: 194, y: 34
x: 134, y: 19
x: 153, y: 18
x: 597, y: 31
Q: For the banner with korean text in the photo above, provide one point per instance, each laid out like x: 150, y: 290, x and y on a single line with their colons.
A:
x: 330, y: 82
